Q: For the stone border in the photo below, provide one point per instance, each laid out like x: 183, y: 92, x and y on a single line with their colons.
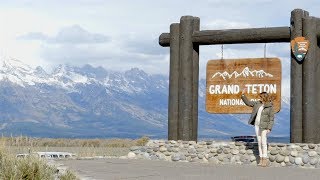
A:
x: 223, y: 152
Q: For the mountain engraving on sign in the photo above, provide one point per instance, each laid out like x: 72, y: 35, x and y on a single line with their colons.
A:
x: 245, y: 73
x: 226, y: 79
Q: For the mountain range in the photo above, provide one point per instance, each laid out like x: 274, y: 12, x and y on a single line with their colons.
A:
x: 246, y: 72
x: 93, y: 102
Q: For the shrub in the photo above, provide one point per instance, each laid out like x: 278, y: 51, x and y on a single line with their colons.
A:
x: 142, y: 141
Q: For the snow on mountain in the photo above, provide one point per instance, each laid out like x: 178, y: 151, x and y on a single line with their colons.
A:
x: 246, y: 72
x: 93, y: 102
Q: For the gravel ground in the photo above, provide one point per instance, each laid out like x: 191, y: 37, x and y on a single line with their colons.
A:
x: 115, y: 168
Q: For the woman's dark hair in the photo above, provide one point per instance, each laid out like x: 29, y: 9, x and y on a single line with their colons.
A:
x: 265, y: 97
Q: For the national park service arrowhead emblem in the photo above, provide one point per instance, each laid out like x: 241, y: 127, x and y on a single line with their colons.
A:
x: 299, y: 46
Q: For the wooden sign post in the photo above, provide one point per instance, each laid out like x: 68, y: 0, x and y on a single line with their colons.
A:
x: 227, y: 78
x: 184, y: 40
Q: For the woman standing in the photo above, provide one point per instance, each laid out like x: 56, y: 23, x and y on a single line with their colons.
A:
x: 262, y: 117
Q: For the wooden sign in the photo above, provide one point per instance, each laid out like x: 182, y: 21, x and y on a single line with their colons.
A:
x: 299, y: 47
x: 227, y: 78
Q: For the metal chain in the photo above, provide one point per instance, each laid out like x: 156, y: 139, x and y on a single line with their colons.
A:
x: 222, y: 51
x: 265, y: 50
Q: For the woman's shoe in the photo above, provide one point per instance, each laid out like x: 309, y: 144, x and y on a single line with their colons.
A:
x: 264, y: 162
x: 260, y: 162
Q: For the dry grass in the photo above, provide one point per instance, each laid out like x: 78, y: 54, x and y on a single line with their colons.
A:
x: 24, y: 168
x: 81, y: 147
x: 64, y: 142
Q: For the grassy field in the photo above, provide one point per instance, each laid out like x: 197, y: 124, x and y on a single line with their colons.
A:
x: 81, y: 147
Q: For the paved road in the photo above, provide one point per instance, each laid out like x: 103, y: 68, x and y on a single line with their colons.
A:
x: 110, y: 169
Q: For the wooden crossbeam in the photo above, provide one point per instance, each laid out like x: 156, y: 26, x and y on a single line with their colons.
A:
x: 235, y: 36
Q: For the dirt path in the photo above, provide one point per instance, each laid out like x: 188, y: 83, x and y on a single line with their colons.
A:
x: 110, y: 169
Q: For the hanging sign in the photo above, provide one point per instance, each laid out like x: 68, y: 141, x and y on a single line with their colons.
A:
x: 299, y: 46
x: 227, y: 78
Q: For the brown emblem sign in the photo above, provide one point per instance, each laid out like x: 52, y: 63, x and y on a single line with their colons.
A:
x: 227, y: 78
x: 299, y: 46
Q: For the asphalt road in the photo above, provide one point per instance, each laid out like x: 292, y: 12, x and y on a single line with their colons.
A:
x: 109, y: 169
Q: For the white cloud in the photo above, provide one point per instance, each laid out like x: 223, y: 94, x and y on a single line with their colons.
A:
x: 225, y: 24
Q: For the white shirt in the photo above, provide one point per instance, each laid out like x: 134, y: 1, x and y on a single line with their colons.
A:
x: 257, y: 121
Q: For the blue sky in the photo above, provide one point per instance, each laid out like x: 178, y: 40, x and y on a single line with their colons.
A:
x: 119, y: 35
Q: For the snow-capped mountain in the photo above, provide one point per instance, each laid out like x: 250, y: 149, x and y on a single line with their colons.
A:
x: 246, y: 72
x: 94, y: 102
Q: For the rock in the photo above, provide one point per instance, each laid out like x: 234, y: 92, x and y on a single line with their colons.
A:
x: 273, y: 152
x: 239, y: 143
x: 175, y: 149
x: 192, y: 143
x: 131, y: 155
x: 192, y: 150
x: 213, y: 160
x: 134, y: 148
x: 235, y: 152
x: 305, y: 148
x: 226, y: 151
x: 283, y: 164
x: 209, y: 142
x: 298, y: 148
x: 149, y: 150
x: 281, y: 145
x: 314, y: 161
x: 219, y: 151
x: 182, y: 157
x: 146, y: 156
x: 220, y: 157
x: 272, y: 158
x: 312, y: 153
x: 279, y: 158
x: 242, y: 151
x: 298, y: 161
x: 168, y: 158
x: 317, y: 165
x: 291, y: 159
x: 153, y: 157
x: 237, y: 158
x: 200, y: 150
x: 250, y: 146
x: 311, y: 146
x: 294, y: 153
x: 161, y: 156
x: 202, y: 143
x: 173, y: 142
x: 243, y: 158
x: 253, y: 158
x: 213, y: 150
x: 284, y: 152
x: 305, y: 159
x: 143, y: 149
x: 272, y: 144
x: 175, y: 157
x: 200, y: 156
x: 169, y: 149
x: 286, y: 159
x: 193, y: 155
x: 249, y: 151
x: 162, y: 149
x: 185, y: 142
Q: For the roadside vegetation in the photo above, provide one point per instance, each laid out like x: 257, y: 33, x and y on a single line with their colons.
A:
x: 64, y: 142
x: 80, y: 147
x: 28, y: 168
